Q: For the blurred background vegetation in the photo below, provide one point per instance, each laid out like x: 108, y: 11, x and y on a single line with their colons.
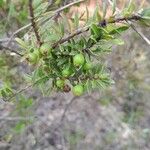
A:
x: 117, y: 118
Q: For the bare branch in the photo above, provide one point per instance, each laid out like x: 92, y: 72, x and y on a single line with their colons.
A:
x: 25, y: 88
x: 66, y: 109
x: 54, y: 14
x: 86, y: 28
x: 10, y: 50
x: 6, y: 40
x: 33, y: 23
x: 139, y: 33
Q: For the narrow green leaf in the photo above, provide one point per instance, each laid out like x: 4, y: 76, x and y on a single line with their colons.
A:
x: 114, y: 7
x: 119, y: 30
x: 104, y: 9
x: 118, y: 41
x: 21, y: 43
x: 76, y: 20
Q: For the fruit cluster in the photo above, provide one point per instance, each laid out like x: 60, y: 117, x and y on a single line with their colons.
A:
x: 70, y: 66
x: 67, y: 72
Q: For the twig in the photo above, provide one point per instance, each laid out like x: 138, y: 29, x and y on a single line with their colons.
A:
x: 133, y: 27
x: 139, y: 33
x: 10, y: 50
x: 77, y: 32
x: 25, y: 88
x: 5, y: 40
x: 33, y: 23
x: 64, y: 113
x: 55, y: 13
x: 103, y: 23
x: 18, y: 31
x: 66, y: 109
x: 68, y: 6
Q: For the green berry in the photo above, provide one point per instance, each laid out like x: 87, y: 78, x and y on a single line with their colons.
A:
x: 37, y: 52
x: 33, y: 58
x: 87, y: 66
x: 66, y: 73
x: 60, y: 83
x: 78, y: 90
x: 45, y: 48
x: 78, y: 60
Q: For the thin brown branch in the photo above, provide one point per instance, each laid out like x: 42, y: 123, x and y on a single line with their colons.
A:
x: 10, y: 50
x: 4, y: 40
x: 51, y: 17
x: 25, y: 88
x: 33, y: 23
x: 132, y: 26
x: 66, y: 109
x: 68, y: 105
x: 103, y: 23
x: 77, y: 32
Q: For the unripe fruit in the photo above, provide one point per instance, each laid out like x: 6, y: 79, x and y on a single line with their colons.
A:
x: 78, y: 90
x: 78, y: 60
x: 45, y: 48
x: 66, y: 73
x: 37, y: 52
x: 87, y: 66
x: 33, y: 58
x: 60, y: 83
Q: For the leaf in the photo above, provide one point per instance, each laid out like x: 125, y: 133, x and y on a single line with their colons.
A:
x: 66, y: 23
x: 114, y: 7
x: 96, y: 31
x: 118, y: 41
x: 36, y: 3
x: 145, y: 12
x: 76, y: 21
x: 87, y: 14
x: 145, y: 17
x: 101, y: 84
x: 61, y: 61
x: 20, y: 126
x: 3, y: 93
x: 145, y: 21
x: 104, y: 9
x: 129, y: 9
x: 119, y: 30
x: 21, y: 43
x: 96, y: 15
x: 1, y: 3
x: 41, y: 9
x: 62, y: 28
x: 88, y: 86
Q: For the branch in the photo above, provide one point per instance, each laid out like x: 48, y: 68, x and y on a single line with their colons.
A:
x: 77, y: 32
x: 25, y: 88
x: 103, y: 23
x: 33, y: 23
x: 6, y: 40
x: 55, y: 13
x: 68, y: 6
x: 10, y: 50
x: 68, y: 105
x: 133, y: 27
x: 66, y: 109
